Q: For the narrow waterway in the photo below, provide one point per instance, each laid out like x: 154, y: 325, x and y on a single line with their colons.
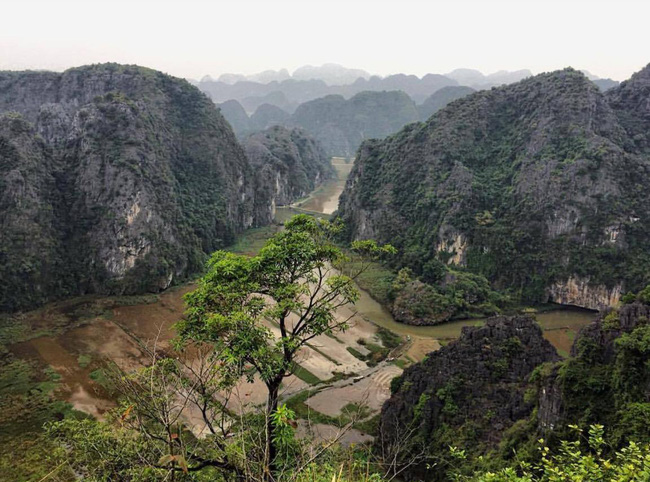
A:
x: 325, y: 199
x: 560, y: 326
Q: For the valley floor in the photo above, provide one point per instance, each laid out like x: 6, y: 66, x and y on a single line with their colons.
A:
x: 339, y: 380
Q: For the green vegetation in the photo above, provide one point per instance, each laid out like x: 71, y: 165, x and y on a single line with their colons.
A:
x: 172, y: 180
x: 350, y: 413
x: 228, y: 307
x: 356, y: 353
x: 27, y: 402
x: 574, y: 461
x: 251, y: 241
x: 341, y: 125
x: 305, y: 375
x: 84, y: 360
x: 604, y: 382
x: 288, y: 160
x: 440, y: 294
x: 377, y: 279
x: 388, y: 338
x: 514, y: 185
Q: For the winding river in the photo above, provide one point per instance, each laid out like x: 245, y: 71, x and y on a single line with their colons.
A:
x: 560, y: 325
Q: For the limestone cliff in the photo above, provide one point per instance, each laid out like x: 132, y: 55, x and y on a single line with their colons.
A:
x: 113, y: 179
x: 580, y: 292
x: 540, y: 186
x: 606, y: 380
x: 467, y: 394
x: 288, y: 165
x: 499, y: 388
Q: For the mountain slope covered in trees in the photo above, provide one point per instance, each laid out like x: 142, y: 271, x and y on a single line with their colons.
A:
x: 288, y: 165
x: 114, y: 179
x: 501, y: 388
x: 539, y: 186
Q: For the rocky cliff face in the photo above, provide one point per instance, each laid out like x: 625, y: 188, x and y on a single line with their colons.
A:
x: 466, y: 394
x: 631, y: 102
x: 113, y: 179
x: 580, y: 292
x: 540, y: 181
x: 288, y: 165
x: 606, y: 380
x: 499, y: 388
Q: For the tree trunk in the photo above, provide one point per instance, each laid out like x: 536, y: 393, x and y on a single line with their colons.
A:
x: 270, y: 464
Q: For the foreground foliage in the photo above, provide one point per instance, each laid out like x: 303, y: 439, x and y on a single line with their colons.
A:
x: 575, y: 462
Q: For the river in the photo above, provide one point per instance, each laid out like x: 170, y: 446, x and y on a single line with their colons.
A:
x: 560, y: 325
x: 325, y: 199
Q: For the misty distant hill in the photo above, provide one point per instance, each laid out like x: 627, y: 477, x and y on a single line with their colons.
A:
x: 477, y: 80
x: 331, y: 74
x: 279, y: 88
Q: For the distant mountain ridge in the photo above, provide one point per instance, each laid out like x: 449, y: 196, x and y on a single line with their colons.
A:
x: 309, y: 83
x: 331, y: 74
x: 339, y: 124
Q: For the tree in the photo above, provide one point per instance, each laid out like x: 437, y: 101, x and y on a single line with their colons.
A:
x: 292, y: 286
x: 149, y: 436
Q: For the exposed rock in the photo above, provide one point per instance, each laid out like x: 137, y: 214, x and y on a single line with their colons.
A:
x: 606, y: 380
x: 536, y: 183
x: 453, y: 248
x: 580, y: 292
x: 113, y: 179
x: 288, y: 165
x: 474, y: 387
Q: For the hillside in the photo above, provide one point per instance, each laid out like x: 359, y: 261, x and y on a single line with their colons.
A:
x: 236, y: 116
x: 268, y: 115
x: 113, y: 179
x: 291, y: 92
x: 631, y: 103
x: 466, y: 394
x: 501, y: 387
x: 536, y: 185
x: 440, y: 99
x: 288, y: 165
x: 341, y: 125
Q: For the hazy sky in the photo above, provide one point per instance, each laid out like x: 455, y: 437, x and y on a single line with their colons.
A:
x: 192, y: 38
